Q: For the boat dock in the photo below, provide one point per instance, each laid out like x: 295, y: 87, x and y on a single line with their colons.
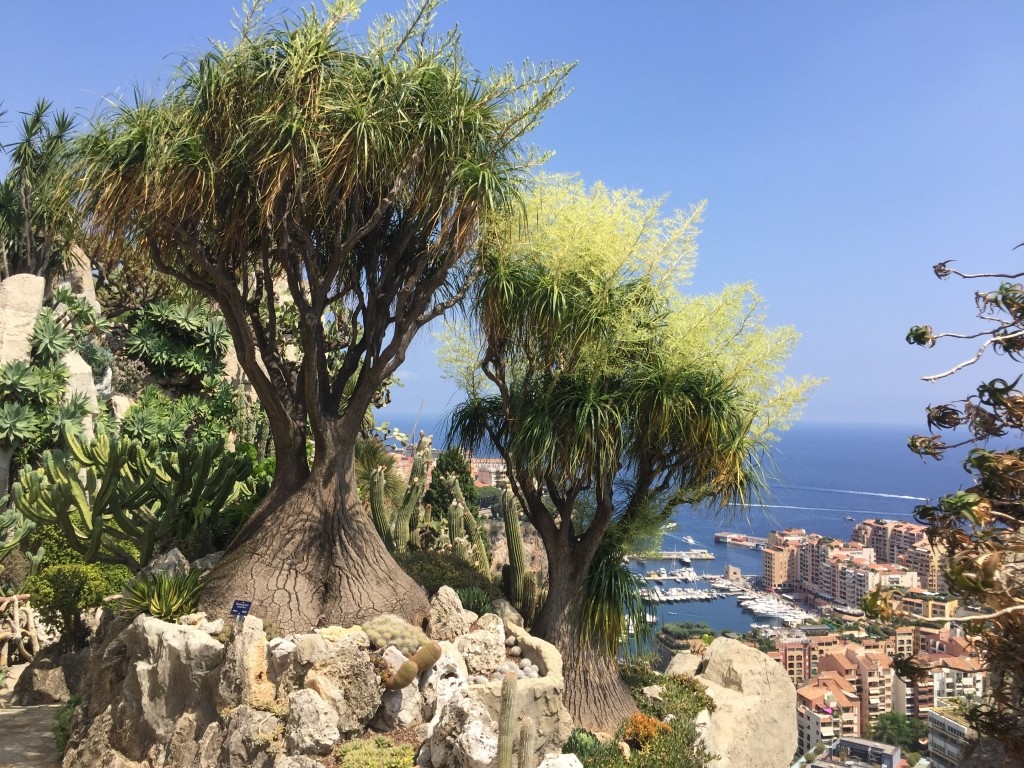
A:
x: 741, y: 540
x: 685, y: 554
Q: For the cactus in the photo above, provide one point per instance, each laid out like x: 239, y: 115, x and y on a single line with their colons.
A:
x: 514, y: 537
x: 528, y: 602
x: 405, y: 519
x: 117, y: 501
x: 507, y: 719
x: 378, y: 511
x: 424, y: 658
x: 388, y: 629
x: 13, y: 528
x: 527, y: 744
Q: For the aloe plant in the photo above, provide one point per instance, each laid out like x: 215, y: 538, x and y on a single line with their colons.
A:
x: 166, y: 596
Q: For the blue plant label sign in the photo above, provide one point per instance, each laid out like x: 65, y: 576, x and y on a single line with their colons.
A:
x: 241, y: 608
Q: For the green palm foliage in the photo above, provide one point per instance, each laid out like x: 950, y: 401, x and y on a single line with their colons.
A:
x: 348, y: 176
x: 611, y: 397
x: 38, y: 222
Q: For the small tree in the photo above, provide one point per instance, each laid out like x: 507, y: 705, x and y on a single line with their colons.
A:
x: 351, y: 176
x: 439, y: 495
x: 981, y: 528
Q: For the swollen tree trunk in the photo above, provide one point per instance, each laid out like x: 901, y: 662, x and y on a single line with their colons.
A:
x: 594, y: 694
x: 310, y: 556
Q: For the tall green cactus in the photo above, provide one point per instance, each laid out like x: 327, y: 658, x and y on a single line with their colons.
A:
x: 405, y: 518
x: 527, y: 744
x: 507, y: 719
x: 514, y: 538
x: 528, y: 601
x: 118, y: 500
x: 378, y: 509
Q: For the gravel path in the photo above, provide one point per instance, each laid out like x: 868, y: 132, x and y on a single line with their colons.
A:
x: 26, y: 733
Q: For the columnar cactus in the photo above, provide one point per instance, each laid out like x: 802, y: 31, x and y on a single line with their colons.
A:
x: 405, y: 518
x: 507, y: 719
x: 378, y: 509
x: 514, y: 537
x: 527, y: 744
x: 528, y: 603
x: 117, y: 500
x: 13, y: 528
x: 424, y: 658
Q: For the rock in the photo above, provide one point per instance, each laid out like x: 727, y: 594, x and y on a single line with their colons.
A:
x: 248, y: 736
x: 539, y: 698
x: 508, y: 614
x: 465, y: 736
x: 446, y: 621
x: 295, y: 761
x: 244, y: 677
x: 21, y: 299
x: 553, y: 760
x: 80, y: 382
x: 439, y: 682
x: 483, y: 649
x: 43, y: 681
x: 402, y: 708
x: 168, y: 562
x: 80, y: 276
x: 753, y: 724
x: 119, y: 405
x: 348, y: 681
x: 312, y: 724
x: 206, y: 563
x: 684, y: 664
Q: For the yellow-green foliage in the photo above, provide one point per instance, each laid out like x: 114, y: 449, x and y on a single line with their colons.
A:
x: 389, y: 629
x: 378, y: 752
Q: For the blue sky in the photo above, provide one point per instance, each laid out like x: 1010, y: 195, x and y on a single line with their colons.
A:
x: 843, y: 149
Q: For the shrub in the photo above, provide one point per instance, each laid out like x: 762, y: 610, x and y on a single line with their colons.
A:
x: 583, y: 744
x: 165, y: 596
x: 57, y: 551
x: 378, y: 752
x: 682, y: 697
x: 61, y: 592
x: 62, y: 719
x: 640, y: 730
x: 130, y: 376
x: 433, y: 570
x: 475, y: 599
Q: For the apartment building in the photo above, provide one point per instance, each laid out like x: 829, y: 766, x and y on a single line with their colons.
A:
x: 870, y: 674
x: 948, y: 733
x: 827, y: 708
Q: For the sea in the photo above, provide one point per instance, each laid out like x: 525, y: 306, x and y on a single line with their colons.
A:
x: 819, y: 476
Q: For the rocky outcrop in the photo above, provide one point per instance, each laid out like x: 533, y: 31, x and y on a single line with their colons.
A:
x: 80, y: 382
x: 753, y: 724
x: 447, y: 619
x: 21, y: 299
x: 160, y: 694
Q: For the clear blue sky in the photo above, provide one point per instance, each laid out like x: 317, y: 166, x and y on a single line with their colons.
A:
x: 844, y: 148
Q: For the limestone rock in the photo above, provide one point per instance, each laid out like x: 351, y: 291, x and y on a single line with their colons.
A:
x: 312, y: 724
x: 347, y: 681
x: 43, y: 681
x: 465, y: 735
x: 447, y: 621
x: 753, y: 724
x: 169, y: 562
x: 21, y: 298
x: 244, y: 678
x: 439, y: 682
x: 508, y: 614
x: 402, y: 708
x: 295, y: 761
x: 684, y: 664
x: 172, y: 669
x: 553, y: 760
x: 206, y: 563
x: 483, y: 649
x: 80, y: 382
x: 119, y: 405
x: 248, y: 735
x: 80, y: 275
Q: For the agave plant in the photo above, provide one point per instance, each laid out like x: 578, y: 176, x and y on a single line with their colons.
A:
x: 50, y: 341
x: 165, y: 596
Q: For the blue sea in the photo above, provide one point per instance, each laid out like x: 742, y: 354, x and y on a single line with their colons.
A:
x: 820, y: 474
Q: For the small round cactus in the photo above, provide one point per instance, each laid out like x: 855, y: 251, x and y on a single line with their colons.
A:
x: 389, y: 629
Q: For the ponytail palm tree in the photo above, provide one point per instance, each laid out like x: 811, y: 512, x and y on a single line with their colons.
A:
x: 351, y: 177
x: 613, y: 400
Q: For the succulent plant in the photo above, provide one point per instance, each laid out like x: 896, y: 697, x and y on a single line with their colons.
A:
x: 424, y: 658
x: 388, y: 629
x: 507, y: 719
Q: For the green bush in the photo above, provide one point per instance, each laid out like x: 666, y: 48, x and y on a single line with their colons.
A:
x: 165, y: 596
x: 379, y: 752
x: 56, y: 551
x: 62, y: 722
x: 433, y: 570
x: 61, y: 592
x: 583, y: 744
x: 682, y: 697
x: 475, y: 599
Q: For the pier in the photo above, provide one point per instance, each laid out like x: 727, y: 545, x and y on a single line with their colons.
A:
x: 685, y: 554
x: 741, y: 540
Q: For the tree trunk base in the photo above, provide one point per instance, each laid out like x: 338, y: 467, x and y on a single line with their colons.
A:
x: 313, y: 561
x: 595, y: 695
